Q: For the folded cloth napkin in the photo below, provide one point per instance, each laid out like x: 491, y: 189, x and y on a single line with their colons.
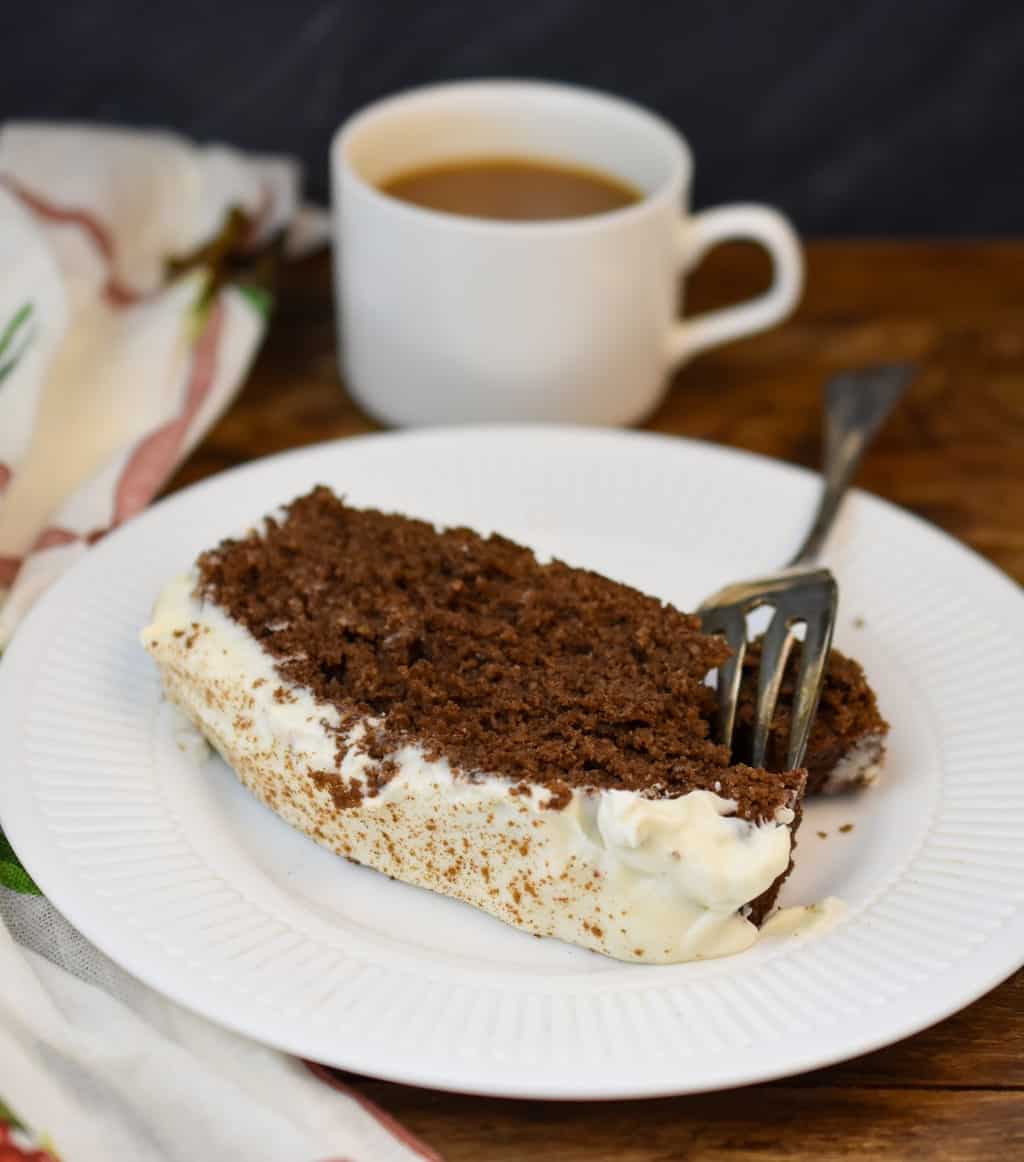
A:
x: 135, y: 294
x: 133, y: 300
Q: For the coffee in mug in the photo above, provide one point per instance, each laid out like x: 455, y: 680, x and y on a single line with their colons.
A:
x: 513, y: 189
x: 452, y: 310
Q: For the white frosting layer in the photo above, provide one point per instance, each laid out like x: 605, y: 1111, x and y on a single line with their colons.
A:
x: 653, y: 880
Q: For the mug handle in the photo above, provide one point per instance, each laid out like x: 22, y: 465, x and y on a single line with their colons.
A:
x: 697, y: 235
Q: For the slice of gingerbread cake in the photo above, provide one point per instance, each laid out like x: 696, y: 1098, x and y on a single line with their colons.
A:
x: 529, y: 738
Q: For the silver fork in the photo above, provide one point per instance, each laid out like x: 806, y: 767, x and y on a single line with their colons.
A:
x: 856, y: 405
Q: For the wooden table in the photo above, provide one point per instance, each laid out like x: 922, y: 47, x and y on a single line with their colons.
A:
x: 954, y: 454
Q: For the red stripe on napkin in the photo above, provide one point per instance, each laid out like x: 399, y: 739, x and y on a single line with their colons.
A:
x: 52, y: 537
x: 115, y: 291
x: 9, y: 567
x: 154, y: 458
x: 396, y: 1129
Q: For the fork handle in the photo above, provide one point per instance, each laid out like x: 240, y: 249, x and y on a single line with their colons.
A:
x: 856, y: 405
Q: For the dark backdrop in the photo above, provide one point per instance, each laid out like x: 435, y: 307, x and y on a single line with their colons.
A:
x: 857, y: 117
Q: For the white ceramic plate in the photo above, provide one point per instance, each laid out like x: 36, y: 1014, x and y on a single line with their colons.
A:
x: 181, y: 876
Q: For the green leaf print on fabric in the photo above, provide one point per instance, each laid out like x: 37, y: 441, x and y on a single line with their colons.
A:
x: 12, y: 874
x: 15, y: 338
x: 259, y: 297
x: 7, y: 1116
x: 230, y: 259
x: 19, y: 1144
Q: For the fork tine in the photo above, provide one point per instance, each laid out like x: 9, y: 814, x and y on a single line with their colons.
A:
x: 813, y: 660
x: 775, y: 649
x: 731, y: 623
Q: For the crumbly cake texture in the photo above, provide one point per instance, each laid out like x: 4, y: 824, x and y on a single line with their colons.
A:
x: 470, y: 649
x: 847, y: 742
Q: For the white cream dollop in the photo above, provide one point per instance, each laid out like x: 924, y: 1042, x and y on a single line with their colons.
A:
x: 804, y: 919
x: 712, y: 857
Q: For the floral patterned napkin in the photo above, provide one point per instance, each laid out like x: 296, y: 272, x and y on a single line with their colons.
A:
x: 135, y: 295
x: 136, y: 290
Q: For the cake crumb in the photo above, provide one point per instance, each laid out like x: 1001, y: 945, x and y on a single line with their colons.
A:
x: 859, y: 622
x: 846, y: 828
x: 823, y: 835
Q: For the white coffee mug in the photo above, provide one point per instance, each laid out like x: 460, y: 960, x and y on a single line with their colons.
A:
x: 451, y: 319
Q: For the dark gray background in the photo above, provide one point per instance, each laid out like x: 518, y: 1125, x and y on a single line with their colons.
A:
x: 857, y: 117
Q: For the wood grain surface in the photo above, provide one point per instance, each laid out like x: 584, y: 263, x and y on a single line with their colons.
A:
x: 954, y: 454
